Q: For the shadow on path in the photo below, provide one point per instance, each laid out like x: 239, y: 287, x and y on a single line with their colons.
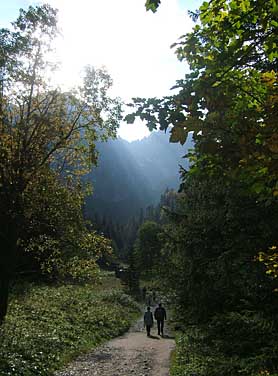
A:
x: 154, y: 337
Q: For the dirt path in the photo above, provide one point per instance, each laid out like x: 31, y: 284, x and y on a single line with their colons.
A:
x: 131, y: 354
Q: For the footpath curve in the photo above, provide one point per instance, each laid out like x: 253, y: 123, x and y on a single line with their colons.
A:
x: 131, y: 354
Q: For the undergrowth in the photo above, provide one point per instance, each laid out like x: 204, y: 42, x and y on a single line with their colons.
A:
x: 47, y: 326
x: 232, y: 344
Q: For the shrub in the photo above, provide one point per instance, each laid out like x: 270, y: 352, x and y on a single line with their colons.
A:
x: 234, y: 343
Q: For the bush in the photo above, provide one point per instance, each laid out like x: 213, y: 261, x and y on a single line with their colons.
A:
x: 244, y: 343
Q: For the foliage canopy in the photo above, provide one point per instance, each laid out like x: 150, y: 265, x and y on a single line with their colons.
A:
x: 220, y: 246
x: 229, y: 100
x: 47, y: 142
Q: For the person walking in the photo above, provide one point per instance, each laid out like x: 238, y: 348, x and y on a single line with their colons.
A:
x: 154, y: 296
x: 160, y: 316
x: 144, y: 293
x: 148, y: 320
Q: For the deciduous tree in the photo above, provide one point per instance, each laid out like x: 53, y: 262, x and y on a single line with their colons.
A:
x: 229, y: 100
x: 42, y: 129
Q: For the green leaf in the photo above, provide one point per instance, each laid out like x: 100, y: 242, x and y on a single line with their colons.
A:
x: 258, y: 187
x: 152, y: 5
x: 178, y: 135
x: 130, y: 118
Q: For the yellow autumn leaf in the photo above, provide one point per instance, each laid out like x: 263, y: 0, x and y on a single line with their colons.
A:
x: 269, y: 77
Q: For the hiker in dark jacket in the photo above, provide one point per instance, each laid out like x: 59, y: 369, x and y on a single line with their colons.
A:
x: 160, y: 316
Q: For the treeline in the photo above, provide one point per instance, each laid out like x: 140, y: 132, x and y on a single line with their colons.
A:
x: 123, y: 235
x: 217, y: 255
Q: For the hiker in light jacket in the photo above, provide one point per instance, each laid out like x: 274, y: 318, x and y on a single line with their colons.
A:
x: 148, y: 320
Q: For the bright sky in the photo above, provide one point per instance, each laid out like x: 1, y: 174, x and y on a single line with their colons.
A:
x: 134, y: 45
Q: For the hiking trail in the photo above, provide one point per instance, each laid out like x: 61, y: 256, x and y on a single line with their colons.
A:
x: 131, y: 354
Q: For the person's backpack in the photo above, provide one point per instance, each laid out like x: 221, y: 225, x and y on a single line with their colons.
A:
x: 159, y: 313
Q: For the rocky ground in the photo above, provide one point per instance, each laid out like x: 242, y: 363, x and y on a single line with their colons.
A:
x: 131, y: 354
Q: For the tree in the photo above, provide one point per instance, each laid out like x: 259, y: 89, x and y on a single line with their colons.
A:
x: 227, y: 208
x: 229, y: 99
x: 42, y: 129
x: 147, y: 246
x: 209, y: 249
x: 56, y: 241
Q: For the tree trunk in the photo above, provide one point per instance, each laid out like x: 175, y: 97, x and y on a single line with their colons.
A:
x: 7, y: 266
x: 4, y: 294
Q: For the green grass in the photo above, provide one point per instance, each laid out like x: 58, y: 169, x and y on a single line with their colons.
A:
x: 47, y: 326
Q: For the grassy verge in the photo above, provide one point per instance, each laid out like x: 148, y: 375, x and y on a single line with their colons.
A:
x: 230, y: 345
x: 46, y: 326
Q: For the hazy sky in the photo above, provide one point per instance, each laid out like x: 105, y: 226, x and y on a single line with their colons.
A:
x: 134, y: 45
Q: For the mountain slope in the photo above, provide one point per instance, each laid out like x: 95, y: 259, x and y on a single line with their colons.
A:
x: 133, y: 175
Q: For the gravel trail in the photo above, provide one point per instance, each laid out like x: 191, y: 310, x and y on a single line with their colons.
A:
x: 131, y: 354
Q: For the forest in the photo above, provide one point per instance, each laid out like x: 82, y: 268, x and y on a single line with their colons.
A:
x: 210, y: 245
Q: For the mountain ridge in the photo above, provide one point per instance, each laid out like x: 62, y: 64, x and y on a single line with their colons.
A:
x: 133, y: 175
